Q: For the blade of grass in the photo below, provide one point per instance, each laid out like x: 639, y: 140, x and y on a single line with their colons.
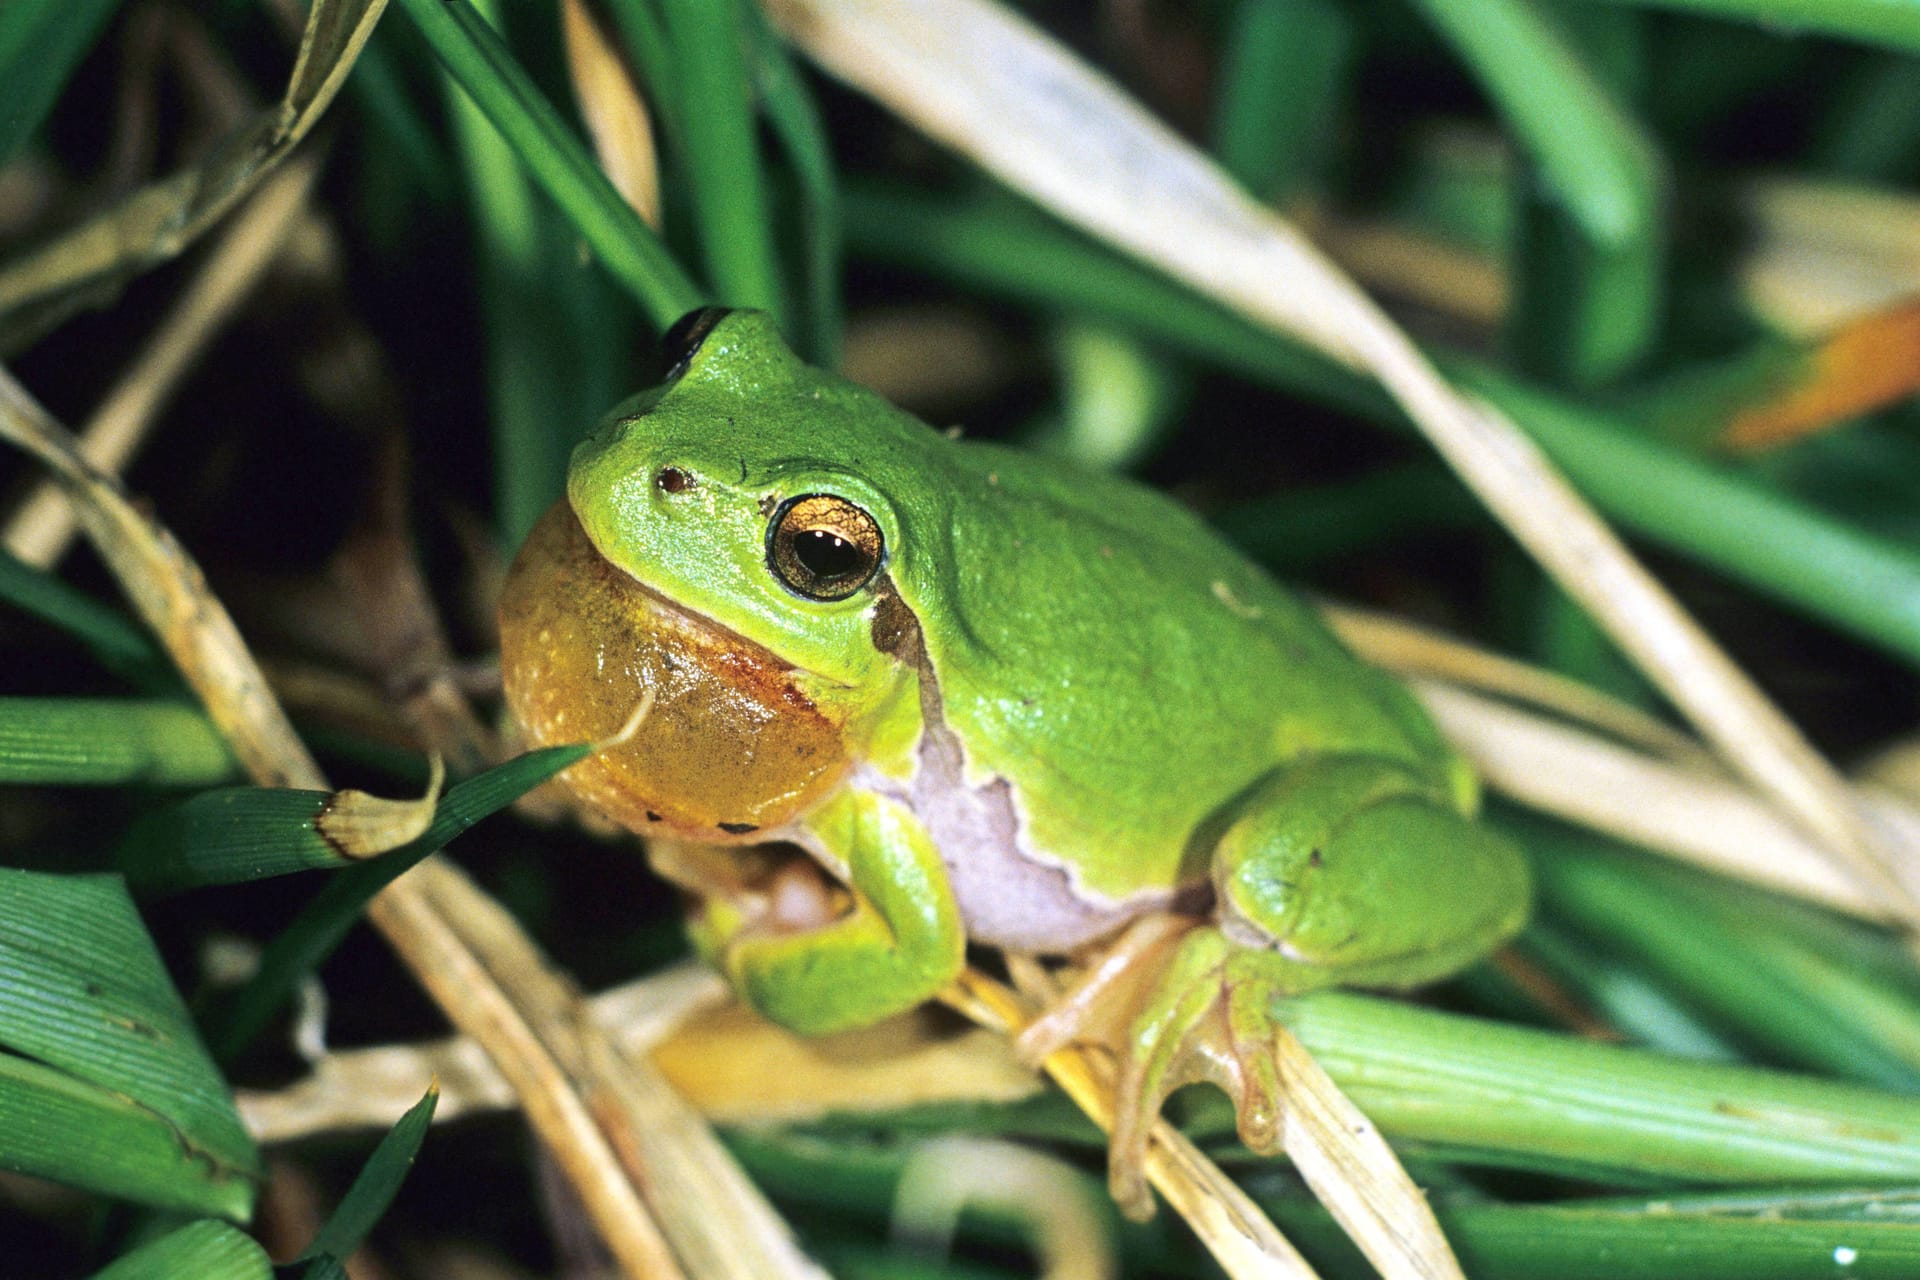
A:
x: 99, y: 1051
x: 375, y: 1185
x: 796, y: 123
x: 110, y: 742
x: 92, y: 1137
x: 1478, y: 1085
x: 251, y: 833
x: 722, y: 154
x: 1871, y: 134
x: 531, y: 387
x: 1498, y: 1242
x: 1591, y: 244
x: 1285, y: 70
x: 41, y: 42
x: 109, y: 634
x: 203, y: 1250
x: 219, y: 851
x: 1893, y: 23
x: 380, y: 85
x: 473, y: 54
x: 1721, y: 950
x: 643, y: 31
x: 1302, y: 529
x: 1625, y: 997
x: 1769, y: 541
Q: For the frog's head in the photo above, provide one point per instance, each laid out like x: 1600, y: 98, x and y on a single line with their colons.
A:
x: 758, y: 493
x: 726, y: 542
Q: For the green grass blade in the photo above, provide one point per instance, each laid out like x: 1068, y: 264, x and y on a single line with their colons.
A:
x: 1008, y: 250
x: 252, y: 833
x: 483, y: 66
x: 41, y: 42
x: 1284, y: 72
x: 1591, y: 249
x: 201, y: 1250
x: 1474, y: 1085
x: 1872, y: 133
x: 1894, y: 23
x: 227, y: 836
x: 1623, y: 994
x: 644, y: 34
x: 529, y: 454
x: 110, y: 742
x: 1719, y: 949
x: 84, y: 999
x: 65, y: 1130
x: 1302, y: 529
x: 298, y: 949
x: 120, y: 643
x: 554, y: 328
x: 1507, y: 1242
x: 1844, y: 1204
x: 375, y: 1186
x: 802, y: 135
x: 722, y: 153
x: 835, y: 1176
x: 1117, y: 399
x: 379, y: 85
x: 1773, y: 543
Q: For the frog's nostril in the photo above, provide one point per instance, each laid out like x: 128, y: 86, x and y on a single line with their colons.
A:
x: 673, y: 480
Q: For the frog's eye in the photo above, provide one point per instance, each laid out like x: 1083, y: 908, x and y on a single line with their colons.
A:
x: 682, y: 342
x: 823, y: 547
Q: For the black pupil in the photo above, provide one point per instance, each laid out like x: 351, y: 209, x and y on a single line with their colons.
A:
x: 828, y: 556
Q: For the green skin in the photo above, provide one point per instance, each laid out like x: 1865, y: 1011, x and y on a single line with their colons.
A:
x: 1152, y: 708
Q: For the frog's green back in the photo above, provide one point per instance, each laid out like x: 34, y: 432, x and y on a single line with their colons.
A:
x: 1113, y: 654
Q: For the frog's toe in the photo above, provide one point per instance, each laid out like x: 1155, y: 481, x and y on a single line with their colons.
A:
x: 1177, y: 1004
x: 1102, y: 1004
x: 1209, y: 1018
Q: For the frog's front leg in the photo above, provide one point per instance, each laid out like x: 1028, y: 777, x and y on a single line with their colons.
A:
x: 898, y: 944
x: 1342, y: 870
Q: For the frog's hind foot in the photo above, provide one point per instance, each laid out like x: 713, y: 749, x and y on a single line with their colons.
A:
x: 1178, y: 1004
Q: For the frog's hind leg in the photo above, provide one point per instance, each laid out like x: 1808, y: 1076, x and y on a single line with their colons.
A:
x: 1349, y: 871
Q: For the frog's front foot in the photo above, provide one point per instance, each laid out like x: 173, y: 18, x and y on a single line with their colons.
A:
x: 1178, y: 1003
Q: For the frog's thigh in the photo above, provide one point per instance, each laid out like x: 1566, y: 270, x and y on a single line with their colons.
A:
x: 1357, y: 871
x: 901, y: 942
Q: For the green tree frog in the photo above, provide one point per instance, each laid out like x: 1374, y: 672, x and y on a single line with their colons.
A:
x: 1000, y: 701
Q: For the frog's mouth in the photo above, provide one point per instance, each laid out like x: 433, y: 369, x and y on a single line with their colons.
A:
x: 734, y: 744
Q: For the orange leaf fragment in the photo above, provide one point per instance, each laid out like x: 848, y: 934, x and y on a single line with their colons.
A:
x: 1868, y: 363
